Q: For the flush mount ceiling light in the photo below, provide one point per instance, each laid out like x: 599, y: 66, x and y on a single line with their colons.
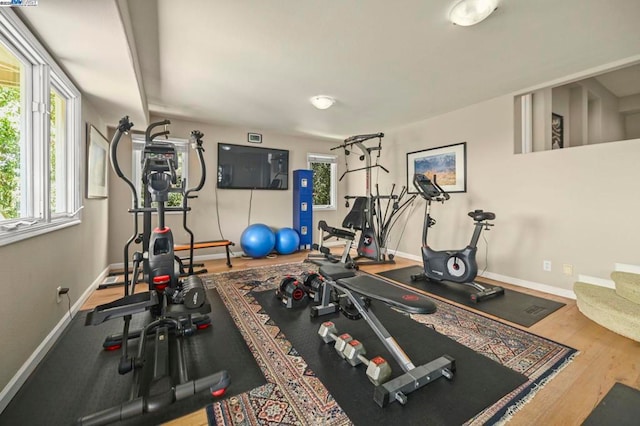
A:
x: 322, y: 102
x: 470, y: 12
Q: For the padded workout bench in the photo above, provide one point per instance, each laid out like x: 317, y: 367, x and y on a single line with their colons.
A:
x: 356, y: 288
x: 327, y: 232
x: 207, y: 244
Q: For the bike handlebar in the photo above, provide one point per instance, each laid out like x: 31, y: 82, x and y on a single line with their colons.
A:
x: 429, y: 189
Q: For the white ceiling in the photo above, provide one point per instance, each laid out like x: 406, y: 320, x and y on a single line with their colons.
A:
x: 256, y: 63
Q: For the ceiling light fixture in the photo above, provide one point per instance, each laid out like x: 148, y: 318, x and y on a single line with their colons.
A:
x: 470, y: 12
x: 322, y: 102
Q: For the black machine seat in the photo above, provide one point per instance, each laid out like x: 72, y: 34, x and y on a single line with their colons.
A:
x: 384, y: 291
x: 480, y: 215
x: 355, y: 218
x: 335, y: 232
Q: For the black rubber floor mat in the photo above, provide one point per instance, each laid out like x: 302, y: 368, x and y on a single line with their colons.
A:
x: 77, y: 377
x: 519, y: 308
x: 620, y: 407
x: 479, y: 382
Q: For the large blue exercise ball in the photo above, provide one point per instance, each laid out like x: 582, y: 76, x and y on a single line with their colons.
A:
x: 287, y: 241
x: 258, y: 240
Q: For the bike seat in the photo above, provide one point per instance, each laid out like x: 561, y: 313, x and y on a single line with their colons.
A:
x: 480, y: 215
x: 389, y: 293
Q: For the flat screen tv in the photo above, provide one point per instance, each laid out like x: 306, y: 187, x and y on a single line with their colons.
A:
x: 250, y: 167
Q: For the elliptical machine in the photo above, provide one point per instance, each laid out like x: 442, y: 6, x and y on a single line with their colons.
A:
x: 458, y: 266
x: 178, y: 307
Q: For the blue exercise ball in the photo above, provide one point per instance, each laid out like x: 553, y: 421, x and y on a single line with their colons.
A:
x: 287, y: 241
x: 258, y: 240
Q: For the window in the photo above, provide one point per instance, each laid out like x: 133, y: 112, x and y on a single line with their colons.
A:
x: 40, y: 137
x: 325, y: 169
x: 182, y: 171
x: 603, y: 107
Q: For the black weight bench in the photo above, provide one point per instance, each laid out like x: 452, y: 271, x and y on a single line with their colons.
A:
x: 358, y: 287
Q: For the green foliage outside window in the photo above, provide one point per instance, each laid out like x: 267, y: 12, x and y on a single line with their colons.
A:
x: 321, y: 184
x: 9, y: 152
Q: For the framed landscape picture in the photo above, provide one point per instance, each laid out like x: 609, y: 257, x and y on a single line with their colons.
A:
x: 97, y: 162
x: 447, y: 163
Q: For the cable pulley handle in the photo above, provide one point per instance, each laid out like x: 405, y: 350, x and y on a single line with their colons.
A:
x: 152, y: 126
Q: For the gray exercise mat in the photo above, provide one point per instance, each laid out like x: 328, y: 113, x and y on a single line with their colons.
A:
x: 519, y: 308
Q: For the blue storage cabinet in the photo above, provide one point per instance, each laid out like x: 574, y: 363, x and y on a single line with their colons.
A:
x: 303, y: 206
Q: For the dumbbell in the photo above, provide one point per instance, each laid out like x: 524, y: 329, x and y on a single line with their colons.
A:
x: 290, y: 293
x: 313, y: 283
x: 329, y: 333
x: 378, y: 369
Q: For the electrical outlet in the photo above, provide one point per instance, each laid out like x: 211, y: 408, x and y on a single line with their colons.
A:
x: 546, y: 265
x: 567, y: 269
x: 58, y: 294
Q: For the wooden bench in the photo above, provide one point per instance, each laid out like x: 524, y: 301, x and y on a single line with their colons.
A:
x: 207, y: 244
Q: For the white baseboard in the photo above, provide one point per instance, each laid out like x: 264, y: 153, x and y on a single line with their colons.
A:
x: 601, y: 282
x: 545, y: 288
x: 406, y: 255
x: 38, y: 355
x: 608, y: 283
x: 510, y: 280
x: 621, y: 267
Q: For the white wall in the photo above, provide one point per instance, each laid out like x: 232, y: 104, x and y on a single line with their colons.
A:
x: 273, y: 208
x: 32, y: 269
x: 574, y: 206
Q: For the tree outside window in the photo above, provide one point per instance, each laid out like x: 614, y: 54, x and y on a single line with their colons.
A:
x: 324, y: 180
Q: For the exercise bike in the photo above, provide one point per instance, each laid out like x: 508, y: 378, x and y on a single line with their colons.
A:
x: 178, y: 306
x: 457, y: 266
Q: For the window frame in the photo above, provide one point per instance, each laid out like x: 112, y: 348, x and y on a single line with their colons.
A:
x: 41, y: 74
x: 333, y: 191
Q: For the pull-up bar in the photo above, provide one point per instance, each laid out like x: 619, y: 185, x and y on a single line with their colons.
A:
x: 352, y: 140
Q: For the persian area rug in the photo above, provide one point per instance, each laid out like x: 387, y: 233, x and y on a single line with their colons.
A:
x: 294, y: 394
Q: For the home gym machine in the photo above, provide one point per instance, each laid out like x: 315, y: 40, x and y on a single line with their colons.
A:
x: 373, y: 215
x: 341, y: 289
x: 457, y: 266
x: 159, y: 368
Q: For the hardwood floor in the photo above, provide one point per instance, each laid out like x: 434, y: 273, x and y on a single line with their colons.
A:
x: 605, y: 357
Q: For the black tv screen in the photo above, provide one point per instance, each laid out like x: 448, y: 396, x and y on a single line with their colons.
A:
x: 250, y: 167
